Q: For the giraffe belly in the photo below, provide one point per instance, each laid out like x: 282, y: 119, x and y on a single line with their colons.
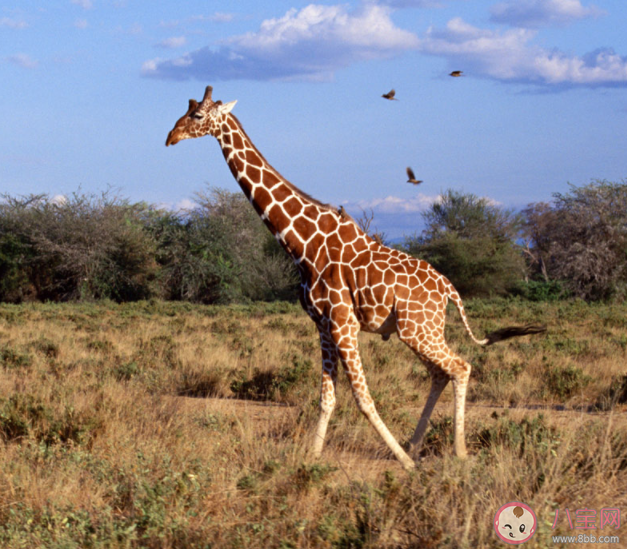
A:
x: 388, y: 327
x: 376, y: 319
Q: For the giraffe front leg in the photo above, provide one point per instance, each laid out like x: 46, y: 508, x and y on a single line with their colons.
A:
x: 327, y: 392
x: 349, y: 355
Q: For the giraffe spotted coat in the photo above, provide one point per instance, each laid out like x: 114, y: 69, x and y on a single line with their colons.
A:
x: 349, y: 282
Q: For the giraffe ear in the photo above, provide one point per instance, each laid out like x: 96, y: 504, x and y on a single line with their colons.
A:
x: 227, y: 107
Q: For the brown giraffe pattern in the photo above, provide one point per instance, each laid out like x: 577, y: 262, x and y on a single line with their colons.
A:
x: 349, y: 282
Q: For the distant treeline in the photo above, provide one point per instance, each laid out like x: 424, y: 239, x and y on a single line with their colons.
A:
x: 87, y: 247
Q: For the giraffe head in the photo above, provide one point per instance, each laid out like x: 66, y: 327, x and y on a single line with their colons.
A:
x: 200, y: 119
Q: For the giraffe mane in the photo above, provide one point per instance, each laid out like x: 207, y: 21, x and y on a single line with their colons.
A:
x: 291, y: 185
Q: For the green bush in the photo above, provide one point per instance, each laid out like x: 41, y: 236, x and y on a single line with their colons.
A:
x: 471, y: 242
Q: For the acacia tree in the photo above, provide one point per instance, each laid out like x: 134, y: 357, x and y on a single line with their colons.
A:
x: 581, y: 239
x: 472, y: 242
x: 220, y: 252
x: 84, y: 246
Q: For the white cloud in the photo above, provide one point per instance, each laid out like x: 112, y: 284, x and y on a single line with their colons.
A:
x: 182, y: 206
x: 22, y: 60
x: 185, y: 205
x: 59, y: 199
x: 85, y: 4
x: 314, y: 42
x: 394, y: 204
x: 311, y: 43
x: 12, y: 23
x: 541, y: 13
x: 173, y: 42
x: 509, y: 56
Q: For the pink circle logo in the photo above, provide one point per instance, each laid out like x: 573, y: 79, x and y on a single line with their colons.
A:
x: 515, y: 523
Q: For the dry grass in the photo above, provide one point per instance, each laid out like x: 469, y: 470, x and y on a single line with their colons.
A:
x: 164, y: 425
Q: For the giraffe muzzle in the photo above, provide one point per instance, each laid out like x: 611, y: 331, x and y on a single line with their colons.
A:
x: 171, y: 140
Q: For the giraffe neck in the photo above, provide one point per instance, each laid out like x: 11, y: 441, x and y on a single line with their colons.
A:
x: 290, y: 214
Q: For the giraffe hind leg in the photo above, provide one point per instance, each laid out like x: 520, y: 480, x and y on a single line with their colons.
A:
x: 443, y: 365
x: 438, y: 382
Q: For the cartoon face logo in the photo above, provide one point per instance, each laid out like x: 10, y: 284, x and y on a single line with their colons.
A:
x: 515, y: 523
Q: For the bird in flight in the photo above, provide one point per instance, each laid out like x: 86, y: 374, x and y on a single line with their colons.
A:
x: 412, y: 177
x: 456, y: 73
x: 390, y: 95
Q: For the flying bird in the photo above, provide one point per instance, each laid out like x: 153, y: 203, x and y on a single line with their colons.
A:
x: 456, y: 73
x: 412, y: 177
x: 390, y: 95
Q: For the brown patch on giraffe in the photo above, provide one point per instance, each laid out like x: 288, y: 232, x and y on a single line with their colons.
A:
x: 294, y: 243
x: 313, y: 246
x: 382, y: 311
x: 269, y: 179
x: 389, y: 277
x: 401, y: 292
x: 430, y: 284
x: 334, y: 245
x: 348, y: 254
x: 348, y: 232
x: 253, y: 158
x: 375, y: 277
x: 322, y: 258
x: 327, y: 223
x: 254, y: 174
x: 262, y: 198
x: 231, y: 122
x: 304, y: 227
x: 293, y: 207
x: 226, y: 137
x: 279, y: 219
x: 312, y: 212
x: 281, y: 193
x: 237, y: 166
x: 335, y: 297
x: 238, y: 142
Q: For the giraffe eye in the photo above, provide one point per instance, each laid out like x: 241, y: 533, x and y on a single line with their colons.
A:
x: 197, y: 116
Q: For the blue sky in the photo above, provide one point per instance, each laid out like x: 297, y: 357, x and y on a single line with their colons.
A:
x: 90, y: 88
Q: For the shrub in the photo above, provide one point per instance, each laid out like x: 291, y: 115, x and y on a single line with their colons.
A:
x: 581, y: 237
x: 82, y: 247
x: 471, y: 242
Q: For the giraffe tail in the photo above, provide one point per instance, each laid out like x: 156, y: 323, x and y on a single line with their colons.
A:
x: 497, y: 335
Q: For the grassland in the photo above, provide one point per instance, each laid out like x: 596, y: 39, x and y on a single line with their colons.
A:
x: 166, y: 425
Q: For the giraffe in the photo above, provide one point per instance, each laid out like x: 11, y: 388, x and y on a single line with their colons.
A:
x: 349, y: 282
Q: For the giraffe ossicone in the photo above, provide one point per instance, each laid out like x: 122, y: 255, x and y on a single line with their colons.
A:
x: 349, y: 281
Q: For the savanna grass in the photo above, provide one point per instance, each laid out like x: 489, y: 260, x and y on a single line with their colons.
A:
x: 171, y: 425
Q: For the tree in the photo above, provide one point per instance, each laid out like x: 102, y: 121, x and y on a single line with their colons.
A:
x: 471, y: 242
x: 220, y: 252
x: 581, y: 239
x: 82, y: 247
